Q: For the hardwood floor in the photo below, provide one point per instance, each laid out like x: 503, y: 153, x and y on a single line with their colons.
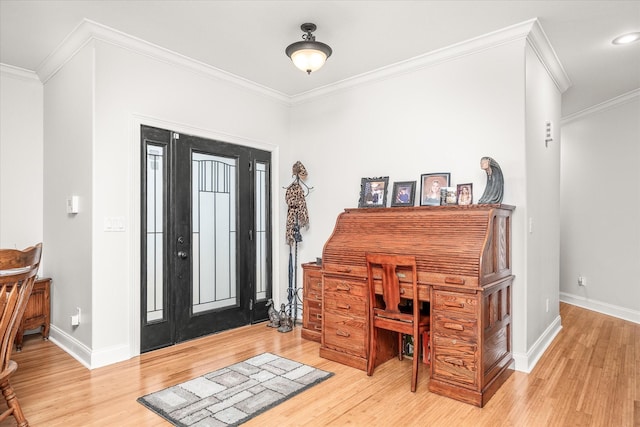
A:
x: 589, y: 376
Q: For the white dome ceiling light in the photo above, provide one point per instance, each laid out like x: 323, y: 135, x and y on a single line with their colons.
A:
x: 308, y: 55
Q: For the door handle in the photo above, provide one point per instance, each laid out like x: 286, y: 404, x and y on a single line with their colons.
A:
x: 182, y: 254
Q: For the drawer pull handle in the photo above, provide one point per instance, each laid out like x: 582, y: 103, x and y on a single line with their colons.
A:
x: 454, y: 280
x: 454, y: 361
x: 345, y: 270
x: 319, y: 316
x: 343, y: 306
x: 319, y: 297
x: 342, y: 333
x: 401, y: 275
x: 454, y: 326
x: 343, y: 287
x: 401, y: 291
x: 454, y: 304
x: 317, y: 327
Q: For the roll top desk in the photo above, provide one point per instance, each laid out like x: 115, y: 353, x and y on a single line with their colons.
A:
x: 463, y: 257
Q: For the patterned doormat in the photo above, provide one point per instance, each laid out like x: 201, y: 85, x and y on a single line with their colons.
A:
x: 235, y: 394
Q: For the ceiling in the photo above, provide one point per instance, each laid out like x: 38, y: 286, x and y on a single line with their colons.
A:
x: 248, y: 38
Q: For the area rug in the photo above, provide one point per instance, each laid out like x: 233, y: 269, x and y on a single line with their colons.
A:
x: 235, y: 394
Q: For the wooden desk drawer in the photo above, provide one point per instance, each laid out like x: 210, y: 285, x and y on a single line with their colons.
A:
x: 454, y: 302
x: 344, y: 286
x: 404, y: 274
x: 312, y: 302
x: 406, y: 289
x: 313, y: 305
x: 314, y: 296
x: 315, y: 284
x: 345, y: 334
x: 345, y: 304
x: 340, y: 269
x: 454, y: 361
x: 313, y: 310
x: 455, y: 326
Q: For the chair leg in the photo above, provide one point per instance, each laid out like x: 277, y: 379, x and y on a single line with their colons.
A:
x: 400, y: 346
x: 416, y: 356
x: 13, y: 404
x: 371, y: 362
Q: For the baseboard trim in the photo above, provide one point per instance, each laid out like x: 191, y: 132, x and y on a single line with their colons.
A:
x: 525, y: 362
x: 89, y: 358
x: 601, y: 307
x: 69, y: 344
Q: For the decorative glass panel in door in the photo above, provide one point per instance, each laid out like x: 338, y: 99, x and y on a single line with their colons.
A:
x: 262, y: 231
x: 155, y: 233
x: 214, y: 232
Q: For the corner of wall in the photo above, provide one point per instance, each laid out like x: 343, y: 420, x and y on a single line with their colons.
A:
x: 71, y: 345
x: 87, y: 357
x: 539, y: 42
x: 525, y: 362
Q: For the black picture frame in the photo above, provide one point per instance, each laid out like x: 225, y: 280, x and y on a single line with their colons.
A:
x: 463, y: 199
x: 403, y: 193
x: 373, y: 192
x: 429, y: 182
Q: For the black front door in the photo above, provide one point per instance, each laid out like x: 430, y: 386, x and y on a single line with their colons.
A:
x: 206, y: 251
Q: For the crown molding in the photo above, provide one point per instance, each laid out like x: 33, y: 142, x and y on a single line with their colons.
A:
x: 19, y: 73
x: 67, y: 49
x: 538, y: 40
x: 88, y: 31
x: 611, y: 103
x: 529, y: 30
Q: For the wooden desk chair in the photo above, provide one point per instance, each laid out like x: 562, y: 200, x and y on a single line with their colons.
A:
x: 17, y: 275
x: 389, y: 316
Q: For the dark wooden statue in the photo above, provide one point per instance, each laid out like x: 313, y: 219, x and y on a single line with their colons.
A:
x: 494, y: 191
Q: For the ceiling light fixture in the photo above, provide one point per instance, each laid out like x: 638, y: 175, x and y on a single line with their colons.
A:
x: 308, y: 55
x: 627, y: 38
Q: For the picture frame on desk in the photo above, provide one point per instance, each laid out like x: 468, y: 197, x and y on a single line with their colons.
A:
x: 403, y: 193
x: 465, y: 194
x: 448, y: 196
x: 373, y: 192
x: 430, y: 185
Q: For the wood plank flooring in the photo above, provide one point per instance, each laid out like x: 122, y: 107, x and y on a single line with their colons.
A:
x: 590, y: 376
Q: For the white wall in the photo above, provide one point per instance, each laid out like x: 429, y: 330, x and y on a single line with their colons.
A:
x: 441, y: 118
x: 600, y: 201
x: 131, y: 88
x: 69, y: 170
x: 20, y: 159
x: 94, y: 107
x: 542, y: 210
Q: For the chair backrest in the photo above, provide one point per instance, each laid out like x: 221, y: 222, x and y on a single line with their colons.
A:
x: 17, y: 275
x: 391, y: 291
